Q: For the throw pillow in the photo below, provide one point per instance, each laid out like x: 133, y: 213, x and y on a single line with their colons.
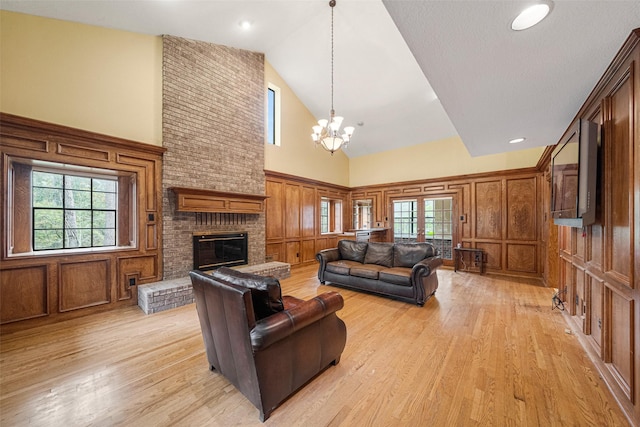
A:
x: 265, y: 291
x: 380, y: 254
x: 351, y: 250
x: 409, y: 254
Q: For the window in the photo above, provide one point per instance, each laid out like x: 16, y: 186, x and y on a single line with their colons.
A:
x: 71, y: 211
x: 324, y: 216
x: 405, y: 221
x: 273, y: 115
x: 330, y: 215
x: 71, y: 208
x: 438, y: 225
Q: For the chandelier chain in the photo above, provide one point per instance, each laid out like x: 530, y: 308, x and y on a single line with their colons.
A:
x: 332, y: 57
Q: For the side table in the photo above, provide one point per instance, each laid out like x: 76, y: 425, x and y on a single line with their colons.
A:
x: 476, y: 257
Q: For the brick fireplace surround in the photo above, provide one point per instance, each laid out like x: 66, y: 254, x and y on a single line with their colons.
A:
x: 213, y: 130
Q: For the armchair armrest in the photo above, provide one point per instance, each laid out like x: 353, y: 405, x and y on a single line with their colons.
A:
x: 281, y: 325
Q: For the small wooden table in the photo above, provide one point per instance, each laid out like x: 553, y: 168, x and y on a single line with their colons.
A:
x: 478, y: 258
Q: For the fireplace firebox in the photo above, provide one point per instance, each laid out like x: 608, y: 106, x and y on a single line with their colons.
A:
x: 211, y: 251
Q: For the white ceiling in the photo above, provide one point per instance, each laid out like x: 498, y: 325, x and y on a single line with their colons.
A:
x: 492, y: 84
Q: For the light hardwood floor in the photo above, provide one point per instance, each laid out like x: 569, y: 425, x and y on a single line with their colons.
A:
x: 485, y: 351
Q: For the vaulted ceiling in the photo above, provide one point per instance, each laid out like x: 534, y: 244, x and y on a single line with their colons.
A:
x: 406, y: 71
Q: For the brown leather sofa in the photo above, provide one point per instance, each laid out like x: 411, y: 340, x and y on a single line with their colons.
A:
x: 405, y: 271
x: 266, y: 345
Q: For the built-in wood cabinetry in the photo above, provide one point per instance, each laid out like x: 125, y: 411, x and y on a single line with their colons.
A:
x: 293, y: 223
x: 599, y: 265
x: 70, y: 282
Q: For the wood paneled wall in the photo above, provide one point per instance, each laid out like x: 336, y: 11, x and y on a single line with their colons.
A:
x: 68, y: 284
x: 499, y: 212
x: 293, y: 224
x: 599, y: 265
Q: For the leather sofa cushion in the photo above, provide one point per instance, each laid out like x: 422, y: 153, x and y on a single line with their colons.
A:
x: 380, y: 254
x: 265, y: 291
x: 396, y: 275
x: 368, y: 271
x: 352, y: 250
x: 409, y: 254
x: 341, y: 266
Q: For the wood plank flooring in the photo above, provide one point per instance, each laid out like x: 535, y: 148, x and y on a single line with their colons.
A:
x: 485, y: 351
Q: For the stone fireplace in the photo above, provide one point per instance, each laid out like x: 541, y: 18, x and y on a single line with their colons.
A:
x: 213, y: 130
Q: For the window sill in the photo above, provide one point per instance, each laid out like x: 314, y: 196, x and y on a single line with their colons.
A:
x: 78, y: 251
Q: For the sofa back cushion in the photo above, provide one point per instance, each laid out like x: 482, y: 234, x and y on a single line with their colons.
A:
x: 409, y: 254
x: 352, y: 251
x: 265, y: 291
x: 380, y: 254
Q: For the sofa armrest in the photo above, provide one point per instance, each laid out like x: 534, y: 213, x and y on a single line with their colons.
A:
x: 328, y: 255
x: 426, y: 267
x: 281, y: 325
x: 324, y: 257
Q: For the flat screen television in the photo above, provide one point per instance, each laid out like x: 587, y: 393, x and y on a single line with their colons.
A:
x: 574, y: 175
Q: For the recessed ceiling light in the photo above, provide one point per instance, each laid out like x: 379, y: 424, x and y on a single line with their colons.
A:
x: 530, y: 17
x: 245, y: 25
x: 516, y: 140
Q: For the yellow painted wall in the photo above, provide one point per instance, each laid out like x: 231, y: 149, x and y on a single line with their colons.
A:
x: 438, y: 159
x: 110, y: 82
x: 297, y: 154
x: 82, y: 76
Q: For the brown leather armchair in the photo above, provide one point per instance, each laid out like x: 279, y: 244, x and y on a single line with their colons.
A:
x: 266, y: 345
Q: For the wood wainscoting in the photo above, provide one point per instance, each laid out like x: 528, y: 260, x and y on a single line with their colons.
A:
x: 599, y: 265
x: 49, y: 285
x: 499, y: 212
x: 293, y: 222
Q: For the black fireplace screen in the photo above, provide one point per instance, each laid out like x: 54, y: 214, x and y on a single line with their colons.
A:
x: 211, y: 251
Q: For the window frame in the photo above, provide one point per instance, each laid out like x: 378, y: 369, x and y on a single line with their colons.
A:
x: 274, y: 116
x: 334, y: 215
x: 19, y: 204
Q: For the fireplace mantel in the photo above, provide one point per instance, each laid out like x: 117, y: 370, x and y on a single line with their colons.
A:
x: 199, y: 200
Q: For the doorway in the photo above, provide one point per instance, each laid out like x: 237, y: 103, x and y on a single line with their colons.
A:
x: 425, y: 219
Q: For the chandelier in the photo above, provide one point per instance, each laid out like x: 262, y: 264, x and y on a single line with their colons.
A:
x: 327, y: 132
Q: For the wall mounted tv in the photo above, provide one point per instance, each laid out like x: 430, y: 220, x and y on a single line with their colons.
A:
x: 574, y: 175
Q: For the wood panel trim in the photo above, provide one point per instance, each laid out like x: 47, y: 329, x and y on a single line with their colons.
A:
x: 449, y: 180
x: 302, y: 180
x: 24, y: 124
